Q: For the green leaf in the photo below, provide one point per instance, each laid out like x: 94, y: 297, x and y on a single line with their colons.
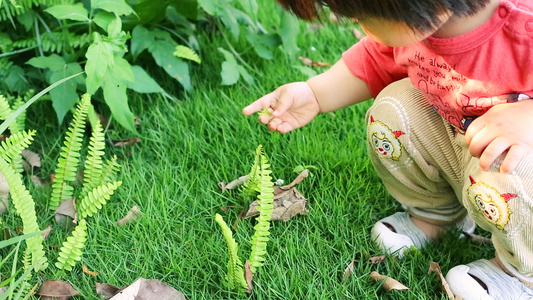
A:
x: 290, y: 27
x: 250, y: 6
x: 143, y: 83
x: 114, y: 28
x: 103, y: 18
x: 188, y: 8
x: 162, y: 51
x: 122, y: 68
x: 74, y: 12
x: 118, y: 7
x: 116, y: 98
x: 99, y: 58
x: 209, y: 6
x: 230, y: 21
x: 263, y: 43
x: 141, y: 39
x: 65, y: 97
x: 230, y: 73
x: 53, y: 62
x: 245, y: 75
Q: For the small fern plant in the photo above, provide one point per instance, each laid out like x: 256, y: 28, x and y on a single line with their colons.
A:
x: 98, y: 183
x: 261, y: 182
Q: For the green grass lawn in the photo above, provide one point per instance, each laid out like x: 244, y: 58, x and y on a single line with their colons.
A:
x: 190, y: 145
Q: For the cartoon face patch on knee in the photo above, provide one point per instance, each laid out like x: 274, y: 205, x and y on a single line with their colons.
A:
x: 490, y: 203
x: 384, y: 140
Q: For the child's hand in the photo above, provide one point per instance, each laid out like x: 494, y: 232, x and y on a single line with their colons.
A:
x: 292, y: 105
x: 504, y: 127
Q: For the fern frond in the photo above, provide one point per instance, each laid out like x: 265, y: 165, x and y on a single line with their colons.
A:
x: 5, y: 108
x: 69, y: 157
x: 235, y: 275
x: 251, y: 184
x: 111, y: 169
x: 55, y: 43
x: 93, y: 163
x: 25, y: 207
x: 10, y: 10
x: 187, y: 53
x: 71, y: 252
x: 13, y: 145
x: 94, y: 200
x: 265, y: 208
x: 20, y: 122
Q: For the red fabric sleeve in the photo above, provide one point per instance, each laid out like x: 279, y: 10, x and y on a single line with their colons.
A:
x: 373, y: 63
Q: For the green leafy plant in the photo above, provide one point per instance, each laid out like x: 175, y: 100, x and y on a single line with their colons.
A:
x: 261, y: 181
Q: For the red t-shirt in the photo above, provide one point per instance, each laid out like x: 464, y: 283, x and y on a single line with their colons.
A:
x: 464, y: 76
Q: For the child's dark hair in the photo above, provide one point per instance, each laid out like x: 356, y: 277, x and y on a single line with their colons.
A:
x: 420, y: 15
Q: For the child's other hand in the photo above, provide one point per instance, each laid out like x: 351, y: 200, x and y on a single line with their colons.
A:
x: 504, y: 127
x: 292, y: 105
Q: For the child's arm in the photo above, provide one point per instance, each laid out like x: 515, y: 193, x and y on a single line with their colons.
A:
x: 295, y: 104
x: 504, y: 127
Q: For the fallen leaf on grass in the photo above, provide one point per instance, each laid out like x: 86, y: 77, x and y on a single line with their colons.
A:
x: 106, y: 290
x: 126, y: 142
x: 286, y: 205
x: 333, y: 18
x: 46, y: 232
x: 389, y: 284
x: 148, y: 289
x: 300, y: 178
x: 478, y: 239
x: 37, y: 181
x: 358, y: 34
x: 234, y: 184
x: 349, y: 270
x: 88, y: 272
x: 30, y: 160
x: 56, y: 289
x: 249, y: 276
x: 132, y: 215
x: 311, y: 63
x: 4, y: 194
x: 376, y: 259
x: 66, y: 212
x: 435, y: 268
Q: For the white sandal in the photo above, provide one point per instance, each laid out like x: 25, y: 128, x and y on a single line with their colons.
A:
x: 500, y: 285
x: 407, y: 234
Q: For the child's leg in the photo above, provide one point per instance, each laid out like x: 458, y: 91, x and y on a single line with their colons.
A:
x: 501, y: 204
x: 413, y: 151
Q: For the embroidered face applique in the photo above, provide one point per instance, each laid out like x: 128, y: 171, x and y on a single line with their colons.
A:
x: 384, y: 140
x: 490, y: 203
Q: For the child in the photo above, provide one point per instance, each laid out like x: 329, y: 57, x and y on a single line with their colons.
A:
x: 450, y: 130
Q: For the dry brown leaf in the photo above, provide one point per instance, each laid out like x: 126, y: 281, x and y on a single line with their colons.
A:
x: 126, y: 142
x: 4, y: 194
x: 349, y: 270
x: 56, y: 289
x: 311, y: 63
x: 46, y: 232
x: 389, y: 284
x: 106, y: 290
x: 435, y: 268
x: 37, y: 181
x: 232, y: 185
x: 358, y: 33
x: 376, y: 259
x: 279, y: 189
x: 148, y: 289
x: 286, y: 205
x: 478, y: 239
x: 67, y: 208
x: 249, y: 276
x: 132, y: 215
x: 33, y: 159
x: 88, y: 272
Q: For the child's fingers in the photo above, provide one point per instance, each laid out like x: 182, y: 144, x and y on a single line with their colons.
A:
x: 259, y: 104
